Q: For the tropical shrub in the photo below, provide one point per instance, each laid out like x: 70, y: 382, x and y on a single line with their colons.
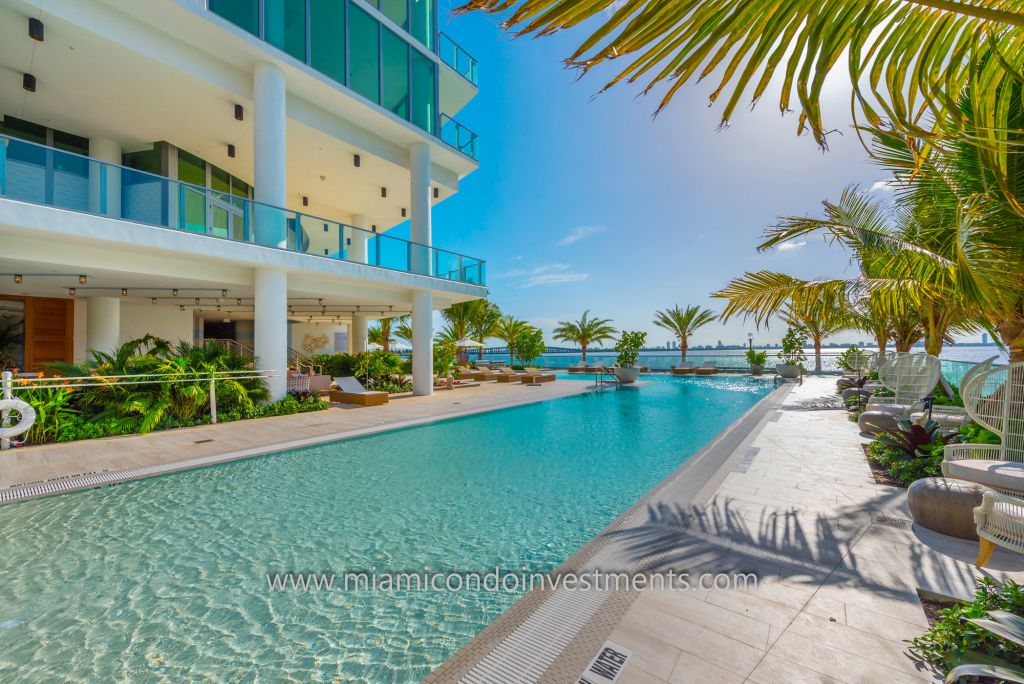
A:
x: 973, y: 433
x: 53, y: 410
x: 793, y: 345
x: 954, y: 639
x: 910, y: 437
x: 628, y: 346
x: 757, y: 358
x: 528, y: 346
x: 846, y: 358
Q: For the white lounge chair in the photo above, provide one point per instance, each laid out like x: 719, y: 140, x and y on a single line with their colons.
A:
x: 351, y: 391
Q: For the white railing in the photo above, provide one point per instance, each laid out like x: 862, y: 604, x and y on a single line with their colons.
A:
x: 12, y: 384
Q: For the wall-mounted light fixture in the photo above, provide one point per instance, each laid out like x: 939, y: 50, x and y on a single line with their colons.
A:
x: 18, y: 278
x: 305, y: 201
x: 181, y: 307
x: 82, y: 279
x: 35, y: 29
x: 403, y: 212
x: 356, y: 161
x: 231, y: 151
x: 28, y: 82
x: 124, y: 292
x: 174, y: 292
x: 71, y: 292
x: 238, y: 301
x: 383, y: 192
x: 153, y: 300
x: 239, y: 112
x: 223, y: 293
x: 197, y: 301
x: 437, y: 193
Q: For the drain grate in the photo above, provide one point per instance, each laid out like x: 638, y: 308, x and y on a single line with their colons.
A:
x: 743, y: 465
x: 889, y: 521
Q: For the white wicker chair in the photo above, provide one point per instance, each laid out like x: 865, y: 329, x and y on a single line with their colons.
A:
x: 1000, y: 520
x: 911, y: 378
x: 994, y: 399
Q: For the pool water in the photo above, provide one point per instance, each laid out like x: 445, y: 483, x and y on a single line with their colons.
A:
x: 164, y: 579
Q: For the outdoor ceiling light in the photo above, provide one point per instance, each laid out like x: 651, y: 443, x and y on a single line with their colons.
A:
x: 305, y: 201
x: 18, y: 278
x: 153, y: 300
x: 174, y: 292
x: 28, y: 82
x: 320, y: 301
x: 403, y: 212
x: 223, y: 293
x: 231, y: 150
x: 35, y: 29
x: 436, y: 193
x: 238, y: 301
x: 124, y: 292
x: 218, y: 307
x: 181, y: 307
x: 197, y: 301
x: 82, y: 279
x: 239, y: 112
x: 356, y: 161
x: 71, y: 291
x: 383, y: 190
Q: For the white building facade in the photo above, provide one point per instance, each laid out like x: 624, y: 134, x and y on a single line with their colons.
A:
x: 229, y: 169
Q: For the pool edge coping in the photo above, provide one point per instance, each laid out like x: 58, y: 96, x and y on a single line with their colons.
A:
x: 571, y: 661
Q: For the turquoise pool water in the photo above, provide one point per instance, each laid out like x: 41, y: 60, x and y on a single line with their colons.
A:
x: 165, y: 579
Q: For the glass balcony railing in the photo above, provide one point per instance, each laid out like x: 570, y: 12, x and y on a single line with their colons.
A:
x: 458, y: 136
x: 35, y: 173
x: 452, y: 54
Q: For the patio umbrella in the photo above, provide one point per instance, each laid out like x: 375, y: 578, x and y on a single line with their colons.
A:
x: 465, y: 343
x: 373, y: 346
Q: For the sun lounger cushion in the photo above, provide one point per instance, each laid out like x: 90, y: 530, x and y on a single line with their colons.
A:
x: 1004, y: 475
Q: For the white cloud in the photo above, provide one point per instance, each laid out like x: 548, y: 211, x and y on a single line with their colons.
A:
x: 536, y: 271
x: 887, y: 185
x: 789, y: 246
x: 555, y: 279
x: 580, y: 233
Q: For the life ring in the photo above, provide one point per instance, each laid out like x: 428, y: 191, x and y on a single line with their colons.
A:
x: 28, y: 417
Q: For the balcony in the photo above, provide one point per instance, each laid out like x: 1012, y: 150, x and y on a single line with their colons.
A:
x: 459, y: 137
x: 38, y: 174
x: 452, y: 54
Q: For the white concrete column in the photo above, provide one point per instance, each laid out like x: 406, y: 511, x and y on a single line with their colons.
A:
x: 103, y: 323
x: 100, y: 175
x: 357, y: 250
x: 422, y: 343
x: 419, y: 222
x: 270, y: 336
x: 270, y: 173
x: 359, y: 332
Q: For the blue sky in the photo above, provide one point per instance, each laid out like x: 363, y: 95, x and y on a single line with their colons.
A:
x: 589, y: 203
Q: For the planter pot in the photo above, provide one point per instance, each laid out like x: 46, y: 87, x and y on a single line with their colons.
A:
x: 756, y: 369
x: 788, y: 370
x: 626, y: 375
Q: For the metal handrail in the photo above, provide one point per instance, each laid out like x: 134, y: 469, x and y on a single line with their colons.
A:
x: 253, y: 209
x: 444, y: 40
x: 468, y: 147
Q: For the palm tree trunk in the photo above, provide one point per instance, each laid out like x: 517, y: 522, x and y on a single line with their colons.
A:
x: 1011, y: 332
x: 880, y: 340
x: 817, y: 353
x: 583, y: 347
x: 682, y: 351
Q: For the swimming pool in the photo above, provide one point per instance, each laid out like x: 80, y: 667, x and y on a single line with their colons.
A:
x: 167, y: 577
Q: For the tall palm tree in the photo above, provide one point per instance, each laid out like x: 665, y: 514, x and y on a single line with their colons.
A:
x: 584, y: 332
x: 510, y: 330
x: 380, y: 333
x: 748, y: 43
x: 483, y: 322
x: 403, y: 330
x: 682, y: 323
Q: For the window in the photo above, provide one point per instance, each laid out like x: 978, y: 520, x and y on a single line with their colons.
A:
x: 75, y: 144
x: 192, y: 169
x: 364, y: 54
x: 423, y: 22
x: 395, y: 74
x: 327, y: 38
x: 397, y: 11
x: 284, y: 26
x: 243, y: 13
x: 150, y: 161
x: 424, y: 106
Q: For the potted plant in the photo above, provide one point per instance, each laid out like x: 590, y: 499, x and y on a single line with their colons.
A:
x: 757, y: 359
x: 629, y: 345
x: 792, y: 356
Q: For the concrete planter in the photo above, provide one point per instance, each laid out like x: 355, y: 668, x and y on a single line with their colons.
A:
x: 626, y: 375
x: 756, y: 369
x: 788, y: 370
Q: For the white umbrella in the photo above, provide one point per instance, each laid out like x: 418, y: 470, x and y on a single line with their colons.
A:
x: 373, y: 346
x: 466, y: 342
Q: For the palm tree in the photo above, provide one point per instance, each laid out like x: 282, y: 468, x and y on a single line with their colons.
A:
x: 584, y: 332
x: 483, y: 322
x: 749, y: 43
x: 819, y: 322
x: 384, y: 332
x: 403, y: 330
x: 682, y: 323
x: 510, y: 330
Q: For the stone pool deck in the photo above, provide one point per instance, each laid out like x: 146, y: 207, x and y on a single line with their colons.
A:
x: 54, y: 468
x: 786, y: 495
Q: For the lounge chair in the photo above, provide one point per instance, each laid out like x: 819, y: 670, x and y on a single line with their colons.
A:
x: 685, y: 369
x: 709, y: 368
x: 485, y: 374
x: 469, y: 374
x: 580, y: 367
x: 442, y: 384
x: 351, y: 391
x: 507, y: 375
x: 535, y: 377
